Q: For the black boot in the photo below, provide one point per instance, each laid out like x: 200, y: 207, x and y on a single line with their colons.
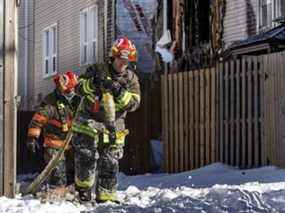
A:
x: 84, y: 195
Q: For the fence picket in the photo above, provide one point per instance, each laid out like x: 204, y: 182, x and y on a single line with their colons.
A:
x: 171, y: 122
x: 180, y: 120
x: 191, y: 119
x: 186, y: 121
x: 231, y: 113
x: 202, y: 117
x: 213, y: 115
x: 197, y: 118
x: 256, y: 113
x: 207, y: 117
x: 226, y: 120
x: 164, y: 117
x: 176, y: 123
x: 238, y: 113
x: 263, y: 119
x: 249, y: 111
x: 243, y: 142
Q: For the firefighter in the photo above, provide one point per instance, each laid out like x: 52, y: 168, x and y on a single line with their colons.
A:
x: 110, y: 90
x: 53, y: 120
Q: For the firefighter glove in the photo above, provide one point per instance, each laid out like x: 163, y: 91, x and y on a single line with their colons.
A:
x: 112, y: 132
x: 32, y: 145
x: 114, y: 86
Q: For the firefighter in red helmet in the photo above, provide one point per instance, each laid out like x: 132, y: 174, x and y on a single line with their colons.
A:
x: 53, y: 120
x: 110, y: 91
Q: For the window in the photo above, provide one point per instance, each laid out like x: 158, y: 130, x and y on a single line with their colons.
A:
x: 279, y: 9
x: 265, y: 14
x: 271, y: 11
x: 50, y: 50
x: 89, y: 35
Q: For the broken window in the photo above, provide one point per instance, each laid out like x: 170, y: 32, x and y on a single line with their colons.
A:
x: 199, y: 21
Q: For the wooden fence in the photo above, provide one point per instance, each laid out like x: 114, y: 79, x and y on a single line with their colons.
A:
x: 274, y: 107
x: 230, y: 114
x: 189, y: 119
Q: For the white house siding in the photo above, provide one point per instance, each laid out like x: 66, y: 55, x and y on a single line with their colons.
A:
x: 138, y: 28
x: 241, y: 20
x: 31, y: 59
x: 67, y: 16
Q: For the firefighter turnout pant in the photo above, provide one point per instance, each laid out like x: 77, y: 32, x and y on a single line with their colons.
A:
x: 63, y: 173
x: 85, y: 159
x: 108, y: 168
x: 96, y: 155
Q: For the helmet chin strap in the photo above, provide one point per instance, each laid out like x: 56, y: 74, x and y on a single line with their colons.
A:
x: 69, y: 95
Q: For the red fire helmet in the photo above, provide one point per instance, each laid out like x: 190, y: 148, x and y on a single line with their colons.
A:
x: 66, y: 82
x: 124, y: 48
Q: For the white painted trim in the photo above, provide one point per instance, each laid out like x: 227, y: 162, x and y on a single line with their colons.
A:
x: 82, y: 36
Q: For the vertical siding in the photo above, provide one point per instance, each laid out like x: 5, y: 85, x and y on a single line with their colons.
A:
x: 241, y: 20
x: 67, y: 16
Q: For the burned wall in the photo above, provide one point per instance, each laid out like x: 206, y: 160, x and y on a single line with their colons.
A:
x: 133, y: 19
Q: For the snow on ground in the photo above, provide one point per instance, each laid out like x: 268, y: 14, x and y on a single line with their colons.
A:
x: 214, y: 188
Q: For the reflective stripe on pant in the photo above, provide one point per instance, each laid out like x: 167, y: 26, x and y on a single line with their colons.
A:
x: 85, y: 156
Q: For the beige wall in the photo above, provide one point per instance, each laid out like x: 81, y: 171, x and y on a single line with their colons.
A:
x: 67, y: 16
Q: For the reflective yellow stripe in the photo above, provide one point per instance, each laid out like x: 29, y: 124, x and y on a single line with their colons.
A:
x: 120, y: 137
x: 136, y: 96
x: 125, y: 99
x: 79, y: 128
x: 87, y: 86
x: 107, y: 196
x: 88, y: 183
x: 105, y: 138
x: 90, y: 98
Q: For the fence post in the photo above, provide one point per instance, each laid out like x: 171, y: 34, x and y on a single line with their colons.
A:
x: 10, y: 85
x: 1, y: 95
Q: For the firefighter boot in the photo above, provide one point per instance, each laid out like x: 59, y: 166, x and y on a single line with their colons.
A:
x: 104, y: 195
x: 84, y: 195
